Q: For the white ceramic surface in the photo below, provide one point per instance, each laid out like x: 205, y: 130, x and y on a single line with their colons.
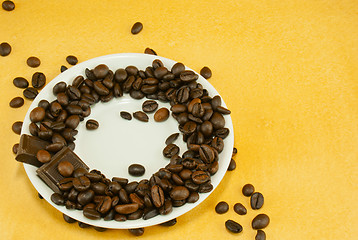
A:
x: 117, y: 143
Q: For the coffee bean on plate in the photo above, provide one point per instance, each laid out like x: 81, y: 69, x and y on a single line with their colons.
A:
x: 149, y: 106
x: 38, y: 80
x: 150, y: 51
x: 83, y: 225
x: 30, y: 93
x: 256, y: 200
x: 8, y: 5
x: 5, y: 49
x: 37, y: 114
x: 240, y: 209
x: 260, y: 235
x: 91, y: 214
x: 136, y: 170
x: 43, y: 156
x: 170, y: 150
x: 33, y: 62
x: 20, y: 82
x: 260, y: 221
x: 205, y: 72
x: 126, y: 115
x: 171, y: 138
x: 136, y: 28
x: 161, y: 115
x: 221, y: 207
x: 92, y: 124
x: 141, y: 116
x: 248, y: 190
x: 57, y: 199
x: 233, y: 226
x: 72, y: 60
x: 65, y: 168
x: 100, y: 71
x: 232, y: 165
x: 16, y: 102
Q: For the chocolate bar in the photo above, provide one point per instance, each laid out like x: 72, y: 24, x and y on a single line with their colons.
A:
x: 28, y: 148
x: 49, y: 173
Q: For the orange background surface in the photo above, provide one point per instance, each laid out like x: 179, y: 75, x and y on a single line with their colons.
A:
x: 288, y: 70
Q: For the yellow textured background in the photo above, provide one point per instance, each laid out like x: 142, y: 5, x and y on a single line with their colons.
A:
x: 288, y: 70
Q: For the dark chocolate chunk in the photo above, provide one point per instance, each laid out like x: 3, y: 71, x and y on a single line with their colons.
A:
x: 28, y: 148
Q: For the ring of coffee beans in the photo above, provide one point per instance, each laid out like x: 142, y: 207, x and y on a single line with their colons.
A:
x: 200, y: 119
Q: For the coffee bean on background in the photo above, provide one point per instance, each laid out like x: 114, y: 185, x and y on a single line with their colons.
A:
x: 16, y: 127
x: 72, y: 60
x: 232, y: 165
x: 150, y: 51
x: 83, y: 225
x: 169, y: 223
x: 260, y: 221
x: 240, y: 209
x: 205, y: 72
x: 248, y: 190
x: 39, y: 195
x: 234, y: 151
x: 20, y: 82
x: 260, y: 235
x: 38, y: 80
x: 33, y: 62
x: 68, y: 219
x: 141, y: 116
x: 43, y: 156
x: 8, y: 5
x: 16, y: 102
x: 136, y: 170
x: 136, y: 28
x: 221, y: 207
x: 5, y: 49
x: 30, y: 93
x: 233, y: 226
x: 65, y: 168
x: 171, y: 138
x: 15, y: 148
x: 256, y: 200
x: 63, y: 68
x: 149, y: 106
x: 92, y: 124
x: 99, y: 229
x: 161, y: 115
x: 126, y: 115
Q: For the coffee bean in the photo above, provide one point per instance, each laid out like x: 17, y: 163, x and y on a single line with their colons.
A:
x: 20, y: 82
x: 188, y: 76
x: 177, y: 69
x: 16, y: 102
x: 101, y: 71
x: 149, y: 106
x: 15, y: 148
x: 72, y: 60
x: 81, y: 183
x: 171, y: 138
x: 161, y: 115
x: 126, y: 115
x: 5, y: 48
x: 248, y: 190
x: 33, y: 62
x: 150, y: 51
x: 206, y: 153
x: 38, y: 80
x: 200, y: 177
x: 30, y: 93
x: 59, y: 87
x: 222, y: 207
x: 260, y: 235
x: 43, y: 156
x: 232, y: 165
x: 217, y: 120
x: 137, y: 231
x: 256, y: 200
x: 126, y: 208
x: 91, y: 214
x: 83, y: 225
x: 104, y: 205
x: 57, y: 199
x: 39, y: 195
x: 8, y: 5
x: 169, y: 223
x: 205, y: 72
x: 260, y: 221
x: 141, y: 116
x: 136, y: 28
x: 240, y: 209
x: 85, y: 197
x: 72, y: 121
x: 63, y: 68
x: 170, y: 150
x: 68, y: 219
x: 37, y: 114
x: 206, y: 128
x: 157, y: 195
x: 136, y: 170
x: 65, y: 168
x: 233, y: 226
x: 150, y: 213
x: 179, y: 193
x: 92, y: 124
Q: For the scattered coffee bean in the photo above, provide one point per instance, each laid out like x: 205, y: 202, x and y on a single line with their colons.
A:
x: 126, y: 115
x: 150, y: 51
x: 16, y: 102
x: 92, y: 124
x: 233, y: 226
x: 63, y: 68
x: 39, y: 195
x: 68, y: 219
x: 161, y: 115
x: 30, y: 93
x: 171, y: 138
x: 260, y: 235
x: 141, y: 116
x: 136, y: 28
x: 16, y: 127
x: 5, y: 48
x: 234, y: 151
x: 221, y: 207
x: 169, y: 223
x: 43, y: 156
x: 240, y: 209
x: 8, y: 5
x: 248, y: 190
x: 15, y: 148
x: 149, y: 106
x: 136, y: 170
x: 83, y: 225
x: 38, y: 80
x: 232, y: 165
x: 33, y: 62
x: 256, y: 200
x: 72, y: 60
x: 205, y: 72
x: 20, y: 82
x: 260, y: 221
x: 65, y: 168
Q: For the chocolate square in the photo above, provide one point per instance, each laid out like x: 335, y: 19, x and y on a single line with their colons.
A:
x: 28, y: 148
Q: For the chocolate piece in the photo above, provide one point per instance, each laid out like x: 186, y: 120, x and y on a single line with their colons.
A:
x: 49, y: 173
x: 28, y: 148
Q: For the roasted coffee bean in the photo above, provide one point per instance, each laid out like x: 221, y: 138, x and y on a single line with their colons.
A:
x: 149, y: 89
x: 178, y: 108
x: 85, y: 197
x: 30, y: 93
x: 178, y: 203
x: 77, y: 81
x: 240, y: 209
x: 188, y: 76
x: 33, y: 62
x: 72, y: 121
x: 160, y: 72
x: 171, y: 138
x: 260, y: 235
x: 260, y: 221
x: 223, y: 110
x: 110, y: 215
x: 205, y: 72
x: 206, y: 153
x: 120, y: 217
x: 170, y: 150
x: 221, y: 207
x: 233, y: 226
x: 55, y: 109
x: 150, y: 51
x: 248, y: 190
x: 72, y: 60
x: 216, y: 102
x: 161, y: 115
x: 222, y: 132
x: 193, y: 197
x: 232, y: 165
x: 91, y: 214
x: 5, y: 49
x: 99, y: 229
x: 137, y: 231
x: 136, y: 28
x: 37, y: 114
x: 166, y: 208
x: 150, y: 213
x: 218, y: 144
x: 157, y: 196
x: 136, y: 170
x: 16, y: 127
x: 79, y: 172
x: 83, y: 225
x: 126, y: 115
x: 206, y: 187
x: 59, y: 87
x: 104, y: 205
x: 132, y: 70
x: 136, y: 94
x: 38, y: 80
x: 57, y: 199
x: 39, y: 195
x: 157, y: 63
x: 130, y: 187
x: 15, y: 148
x: 177, y: 69
x: 16, y: 102
x: 73, y: 93
x: 68, y: 219
x: 169, y: 223
x: 256, y: 200
x: 183, y: 94
x: 65, y: 168
x: 136, y: 215
x: 63, y: 68
x: 200, y: 177
x: 179, y: 193
x: 20, y: 82
x: 34, y: 129
x: 126, y: 208
x: 81, y: 183
x: 150, y: 81
x: 94, y: 177
x: 92, y: 124
x: 101, y: 71
x: 149, y: 106
x: 134, y: 198
x: 44, y: 104
x: 8, y: 5
x: 217, y: 120
x: 206, y: 128
x: 99, y: 188
x: 120, y: 75
x: 43, y: 156
x: 141, y: 116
